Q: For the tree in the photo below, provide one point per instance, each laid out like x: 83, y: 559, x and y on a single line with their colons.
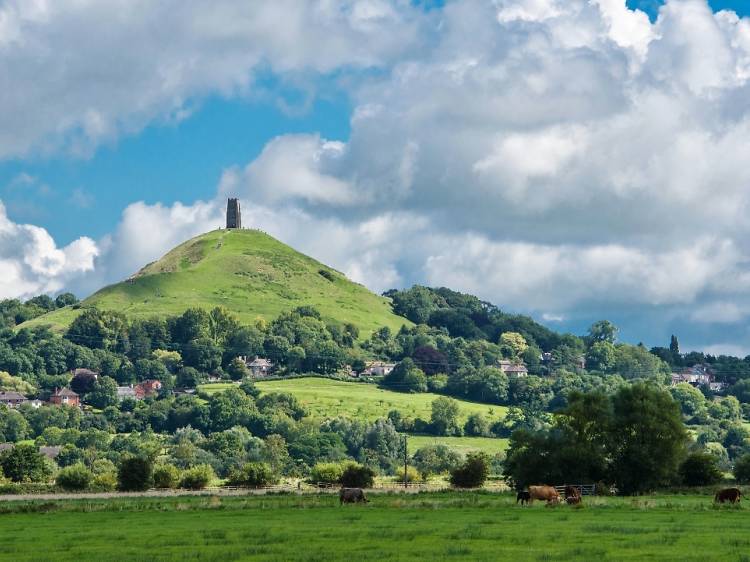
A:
x: 477, y: 425
x: 197, y: 477
x: 674, y: 346
x: 254, y: 474
x: 83, y: 382
x: 203, y: 354
x: 189, y: 377
x: 166, y: 476
x: 514, y: 343
x: 406, y: 377
x: 444, y: 416
x: 742, y: 469
x: 430, y: 360
x: 237, y: 370
x: 135, y: 474
x: 647, y: 441
x: 74, y: 477
x: 601, y: 356
x: 472, y: 473
x: 700, y: 469
x: 65, y: 299
x: 357, y: 476
x: 24, y: 463
x: 691, y: 400
x: 435, y: 459
x: 603, y: 330
x: 103, y: 393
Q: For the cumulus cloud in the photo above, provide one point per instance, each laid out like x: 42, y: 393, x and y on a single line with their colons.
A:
x: 31, y: 263
x: 552, y: 156
x: 77, y: 73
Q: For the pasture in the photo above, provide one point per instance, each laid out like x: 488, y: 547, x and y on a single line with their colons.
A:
x: 441, y: 526
x: 327, y: 398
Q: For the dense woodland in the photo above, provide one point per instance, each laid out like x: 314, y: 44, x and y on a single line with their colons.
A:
x: 453, y: 348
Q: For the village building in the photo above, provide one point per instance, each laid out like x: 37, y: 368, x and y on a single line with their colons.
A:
x: 147, y: 388
x: 259, y: 366
x: 378, y: 368
x: 81, y: 371
x: 516, y: 368
x: 126, y: 392
x: 65, y: 396
x: 12, y: 399
x: 701, y: 374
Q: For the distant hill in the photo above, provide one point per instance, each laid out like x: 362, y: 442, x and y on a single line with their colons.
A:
x: 248, y: 272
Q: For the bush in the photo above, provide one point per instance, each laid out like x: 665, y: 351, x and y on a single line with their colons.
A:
x: 326, y: 473
x: 742, y: 469
x: 357, y: 476
x: 253, y: 474
x: 104, y: 482
x: 198, y: 477
x: 472, y: 473
x: 74, y: 477
x: 700, y: 469
x: 166, y: 476
x: 477, y: 425
x: 412, y: 474
x: 135, y: 474
x: 24, y: 463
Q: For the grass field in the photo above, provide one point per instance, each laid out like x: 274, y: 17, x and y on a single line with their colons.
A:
x: 463, y: 445
x: 249, y: 272
x: 326, y: 398
x: 439, y: 526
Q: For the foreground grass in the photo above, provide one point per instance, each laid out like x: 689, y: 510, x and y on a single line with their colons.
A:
x: 476, y: 526
x: 327, y: 398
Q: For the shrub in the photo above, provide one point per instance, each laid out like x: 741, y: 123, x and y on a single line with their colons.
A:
x: 253, y: 474
x: 135, y: 474
x: 742, y: 469
x: 472, y: 473
x: 198, y: 477
x: 700, y: 469
x: 412, y: 474
x: 357, y: 476
x: 326, y: 473
x: 104, y: 482
x: 166, y: 476
x: 477, y: 425
x: 327, y: 274
x: 24, y: 463
x: 74, y: 477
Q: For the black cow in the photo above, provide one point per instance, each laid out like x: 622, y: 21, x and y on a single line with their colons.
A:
x: 352, y: 495
x: 523, y: 496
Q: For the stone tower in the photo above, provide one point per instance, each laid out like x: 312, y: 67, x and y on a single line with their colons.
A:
x: 234, y: 218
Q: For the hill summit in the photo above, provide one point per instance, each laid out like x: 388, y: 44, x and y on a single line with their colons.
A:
x: 247, y: 271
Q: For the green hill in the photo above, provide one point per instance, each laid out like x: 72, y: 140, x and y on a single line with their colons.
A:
x: 248, y: 272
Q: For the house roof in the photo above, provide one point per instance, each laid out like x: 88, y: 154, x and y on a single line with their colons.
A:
x: 83, y: 371
x: 260, y: 362
x: 65, y: 392
x: 11, y: 395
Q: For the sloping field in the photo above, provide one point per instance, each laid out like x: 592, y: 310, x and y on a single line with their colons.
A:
x: 326, y: 398
x: 463, y: 445
x: 247, y: 271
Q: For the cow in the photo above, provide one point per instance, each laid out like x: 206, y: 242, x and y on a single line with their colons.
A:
x: 523, y: 496
x: 546, y: 493
x: 731, y: 495
x: 572, y: 495
x: 352, y: 495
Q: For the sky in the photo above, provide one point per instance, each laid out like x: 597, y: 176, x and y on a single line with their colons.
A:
x: 569, y: 159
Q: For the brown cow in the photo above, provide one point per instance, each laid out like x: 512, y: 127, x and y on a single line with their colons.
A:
x: 731, y: 495
x: 352, y: 495
x: 572, y: 495
x: 546, y: 493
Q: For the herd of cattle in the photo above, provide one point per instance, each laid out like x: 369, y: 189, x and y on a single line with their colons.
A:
x: 549, y: 494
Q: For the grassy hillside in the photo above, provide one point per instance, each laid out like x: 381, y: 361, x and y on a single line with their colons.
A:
x: 326, y: 398
x: 247, y: 271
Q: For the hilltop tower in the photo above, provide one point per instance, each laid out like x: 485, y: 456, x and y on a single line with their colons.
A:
x: 234, y: 218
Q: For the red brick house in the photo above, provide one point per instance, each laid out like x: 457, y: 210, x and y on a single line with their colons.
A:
x: 147, y: 388
x: 65, y: 396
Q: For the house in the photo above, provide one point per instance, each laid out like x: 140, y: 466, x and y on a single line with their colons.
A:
x: 378, y: 368
x: 701, y: 374
x: 34, y: 403
x: 12, y: 399
x: 50, y: 452
x: 126, y: 392
x: 65, y: 396
x: 259, y: 366
x: 516, y: 368
x: 76, y: 372
x: 147, y: 389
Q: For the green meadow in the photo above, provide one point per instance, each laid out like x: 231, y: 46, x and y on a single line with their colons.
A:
x: 252, y: 274
x: 439, y: 526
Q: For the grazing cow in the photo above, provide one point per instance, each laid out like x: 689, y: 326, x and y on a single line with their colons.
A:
x: 731, y: 495
x: 546, y: 493
x: 572, y: 495
x: 523, y: 496
x: 352, y: 495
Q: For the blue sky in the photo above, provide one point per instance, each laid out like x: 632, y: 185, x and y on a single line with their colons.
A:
x: 436, y: 143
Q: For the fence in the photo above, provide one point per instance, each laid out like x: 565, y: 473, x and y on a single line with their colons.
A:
x: 585, y: 489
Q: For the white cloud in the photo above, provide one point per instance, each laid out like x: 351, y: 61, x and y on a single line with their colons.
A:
x: 31, y: 263
x: 77, y: 73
